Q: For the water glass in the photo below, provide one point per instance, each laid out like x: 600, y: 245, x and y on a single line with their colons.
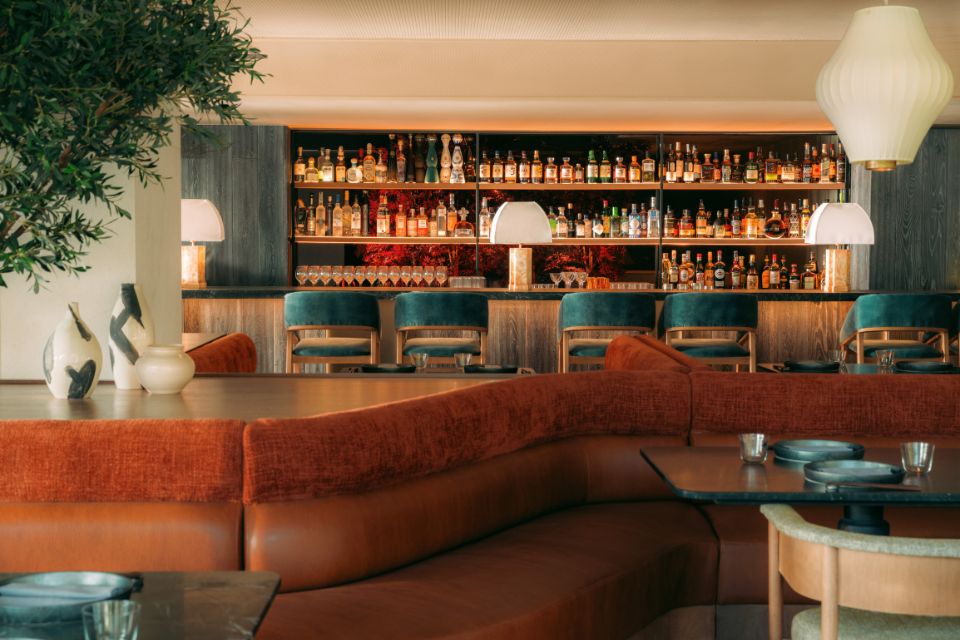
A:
x: 884, y: 359
x: 462, y: 360
x: 840, y: 357
x: 420, y: 360
x: 301, y: 274
x: 917, y: 457
x: 111, y: 620
x: 753, y: 448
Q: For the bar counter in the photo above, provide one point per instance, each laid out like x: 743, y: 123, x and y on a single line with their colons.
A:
x: 798, y: 325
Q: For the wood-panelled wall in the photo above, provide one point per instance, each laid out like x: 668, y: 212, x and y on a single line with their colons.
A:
x: 245, y: 176
x: 916, y: 214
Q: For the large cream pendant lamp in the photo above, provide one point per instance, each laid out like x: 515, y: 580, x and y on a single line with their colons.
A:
x: 884, y: 86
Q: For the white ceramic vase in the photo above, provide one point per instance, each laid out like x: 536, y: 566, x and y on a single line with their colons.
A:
x: 165, y: 368
x: 72, y: 358
x: 131, y: 331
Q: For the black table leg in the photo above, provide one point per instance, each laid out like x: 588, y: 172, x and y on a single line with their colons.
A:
x: 862, y: 518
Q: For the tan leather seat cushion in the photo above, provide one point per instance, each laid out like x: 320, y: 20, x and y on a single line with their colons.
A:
x: 743, y: 542
x: 599, y: 571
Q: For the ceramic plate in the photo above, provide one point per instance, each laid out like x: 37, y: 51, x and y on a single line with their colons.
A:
x: 29, y: 611
x: 817, y: 450
x: 810, y: 366
x: 925, y: 367
x: 387, y: 368
x: 852, y: 471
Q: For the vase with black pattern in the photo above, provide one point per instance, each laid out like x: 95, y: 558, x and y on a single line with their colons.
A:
x: 72, y: 358
x: 131, y: 332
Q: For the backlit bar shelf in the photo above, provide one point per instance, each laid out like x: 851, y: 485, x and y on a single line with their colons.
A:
x: 386, y: 186
x: 594, y: 242
x: 577, y: 186
x: 759, y: 186
x: 733, y: 242
x: 563, y: 242
x: 381, y: 240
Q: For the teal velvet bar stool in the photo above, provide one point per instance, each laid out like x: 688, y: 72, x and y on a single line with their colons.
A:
x: 420, y: 311
x: 710, y: 313
x: 600, y: 311
x: 915, y: 326
x: 328, y: 311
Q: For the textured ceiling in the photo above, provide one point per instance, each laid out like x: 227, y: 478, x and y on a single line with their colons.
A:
x: 575, y: 19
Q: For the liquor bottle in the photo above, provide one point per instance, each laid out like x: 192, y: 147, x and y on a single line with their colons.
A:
x: 347, y: 215
x: 496, y: 167
x: 483, y: 220
x: 737, y: 170
x: 698, y: 273
x: 619, y: 171
x: 446, y: 159
x: 380, y: 169
x: 751, y: 223
x: 719, y: 227
x: 561, y: 222
x: 784, y: 274
x: 310, y: 220
x: 726, y: 168
x: 299, y: 218
x: 392, y: 160
x: 369, y: 164
x: 794, y: 278
x: 340, y: 169
x: 633, y: 223
x: 686, y: 225
x: 814, y: 165
x: 770, y: 168
x: 773, y: 279
x: 337, y: 228
x: 354, y: 173
x: 441, y: 230
x: 605, y: 219
x: 571, y: 221
x: 648, y: 168
x: 774, y: 227
x: 432, y: 224
x: 841, y: 164
x: 401, y: 162
x: 579, y: 177
x: 606, y: 171
x: 708, y: 271
x: 593, y: 169
x: 469, y: 162
x: 752, y: 280
x: 736, y: 272
x: 686, y: 272
x: 653, y: 219
x: 804, y: 218
x: 423, y: 223
x: 325, y: 166
x: 833, y: 164
x: 597, y: 226
x: 383, y: 218
x: 720, y: 271
x: 665, y: 272
x: 751, y: 172
x: 580, y: 226
x: 323, y: 225
x: 765, y: 273
x: 550, y: 172
x: 485, y: 168
x: 413, y: 224
x: 299, y: 167
x: 706, y: 169
x: 451, y: 216
x: 457, y: 175
x: 674, y: 270
x: 793, y: 222
x: 356, y: 220
x: 824, y: 164
x: 701, y: 222
x: 311, y: 173
x: 510, y: 168
x: 788, y: 172
x: 687, y: 174
x: 536, y: 168
x: 697, y: 168
x: 463, y: 228
x: 670, y: 169
x: 566, y: 172
x: 634, y: 172
x: 806, y: 169
x: 430, y: 174
x: 400, y: 220
x: 523, y: 169
x: 670, y: 229
x: 625, y: 223
x: 728, y: 225
x: 615, y: 224
x: 810, y: 280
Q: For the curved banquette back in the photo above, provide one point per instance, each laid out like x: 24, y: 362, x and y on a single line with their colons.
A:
x: 342, y: 496
x: 120, y: 495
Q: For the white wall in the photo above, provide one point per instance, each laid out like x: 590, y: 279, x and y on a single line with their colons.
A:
x: 144, y: 250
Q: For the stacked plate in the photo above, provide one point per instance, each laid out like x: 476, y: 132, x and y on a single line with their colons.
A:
x: 811, y: 366
x: 925, y: 367
x: 43, y: 598
x: 804, y: 451
x: 841, y: 471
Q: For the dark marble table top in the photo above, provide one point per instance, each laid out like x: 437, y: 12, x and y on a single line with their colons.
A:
x: 715, y: 474
x: 214, y: 605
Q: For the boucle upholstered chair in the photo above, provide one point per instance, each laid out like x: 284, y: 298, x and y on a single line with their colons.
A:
x: 869, y: 587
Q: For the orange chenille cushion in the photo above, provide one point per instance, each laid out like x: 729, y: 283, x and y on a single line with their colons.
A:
x: 120, y: 460
x: 362, y: 450
x: 233, y: 353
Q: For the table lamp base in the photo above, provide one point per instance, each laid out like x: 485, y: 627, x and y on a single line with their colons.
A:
x: 521, y: 268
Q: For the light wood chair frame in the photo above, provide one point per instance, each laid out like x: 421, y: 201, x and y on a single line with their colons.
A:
x: 404, y: 334
x: 861, y: 335
x: 880, y: 580
x: 747, y: 340
x: 294, y: 363
x: 565, y: 360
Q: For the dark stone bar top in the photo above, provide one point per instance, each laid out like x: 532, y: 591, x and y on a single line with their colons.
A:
x: 780, y: 295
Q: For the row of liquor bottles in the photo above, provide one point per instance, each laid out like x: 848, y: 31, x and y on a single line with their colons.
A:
x: 685, y: 274
x: 341, y: 218
x: 454, y: 164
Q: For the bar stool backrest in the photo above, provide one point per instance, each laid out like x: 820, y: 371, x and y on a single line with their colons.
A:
x: 877, y: 311
x: 595, y: 309
x: 722, y: 310
x: 331, y: 309
x: 423, y: 309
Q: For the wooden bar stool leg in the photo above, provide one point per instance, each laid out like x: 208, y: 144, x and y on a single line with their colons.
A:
x: 774, y: 584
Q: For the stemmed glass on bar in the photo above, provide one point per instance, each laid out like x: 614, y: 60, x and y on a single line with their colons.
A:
x: 406, y: 272
x: 428, y: 275
x: 337, y: 274
x: 324, y: 274
x: 441, y: 275
x: 301, y: 274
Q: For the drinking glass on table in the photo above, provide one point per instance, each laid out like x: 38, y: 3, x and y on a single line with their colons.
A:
x: 884, y: 359
x: 462, y: 360
x: 840, y: 357
x: 581, y: 279
x: 917, y: 457
x: 420, y: 360
x: 394, y: 275
x: 324, y: 274
x: 301, y: 274
x: 753, y: 448
x: 337, y: 274
x: 428, y: 275
x: 406, y: 272
x: 441, y: 275
x: 555, y: 278
x: 111, y: 620
x: 417, y: 274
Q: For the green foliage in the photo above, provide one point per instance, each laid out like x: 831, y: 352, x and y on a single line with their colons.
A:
x: 90, y: 89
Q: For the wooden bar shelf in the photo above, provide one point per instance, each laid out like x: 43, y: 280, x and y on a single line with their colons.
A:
x: 386, y: 186
x: 759, y: 186
x: 563, y: 242
x: 577, y: 186
x: 381, y: 240
x: 733, y: 242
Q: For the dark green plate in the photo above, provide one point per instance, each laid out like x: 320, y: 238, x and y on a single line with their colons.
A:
x: 490, y: 368
x: 853, y: 471
x: 925, y: 367
x: 387, y: 368
x: 817, y: 450
x: 810, y: 366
